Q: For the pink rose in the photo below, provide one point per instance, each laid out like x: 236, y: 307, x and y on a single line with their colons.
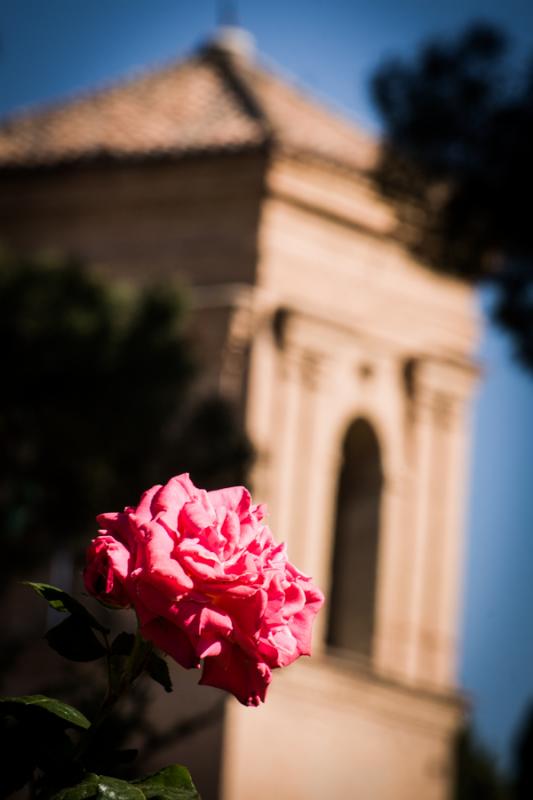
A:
x: 207, y: 581
x: 107, y: 571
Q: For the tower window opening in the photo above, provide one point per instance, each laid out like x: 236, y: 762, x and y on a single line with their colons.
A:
x: 356, y: 538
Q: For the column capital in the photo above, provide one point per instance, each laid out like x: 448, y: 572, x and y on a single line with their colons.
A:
x: 441, y: 386
x: 308, y: 364
x: 454, y: 377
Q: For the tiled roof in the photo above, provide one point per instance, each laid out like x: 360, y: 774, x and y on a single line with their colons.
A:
x: 215, y: 101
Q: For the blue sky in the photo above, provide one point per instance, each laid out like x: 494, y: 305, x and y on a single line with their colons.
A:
x: 52, y: 48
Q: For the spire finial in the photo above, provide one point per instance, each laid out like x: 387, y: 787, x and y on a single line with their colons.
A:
x: 229, y: 37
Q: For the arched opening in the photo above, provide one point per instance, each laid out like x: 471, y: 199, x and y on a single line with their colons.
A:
x: 355, y: 557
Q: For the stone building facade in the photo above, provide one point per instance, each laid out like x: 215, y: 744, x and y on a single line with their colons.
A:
x: 350, y: 364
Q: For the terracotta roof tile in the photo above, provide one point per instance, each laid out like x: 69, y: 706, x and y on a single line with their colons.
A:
x: 213, y: 101
x: 301, y: 124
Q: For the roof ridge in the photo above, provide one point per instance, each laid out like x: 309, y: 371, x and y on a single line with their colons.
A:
x: 234, y: 78
x: 215, y: 99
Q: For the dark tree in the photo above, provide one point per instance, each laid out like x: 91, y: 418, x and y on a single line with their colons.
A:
x: 476, y: 775
x: 522, y: 778
x: 96, y: 405
x: 457, y: 160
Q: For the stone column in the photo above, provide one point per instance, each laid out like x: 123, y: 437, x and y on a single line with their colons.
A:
x: 233, y: 362
x: 307, y: 477
x: 447, y: 609
x: 390, y: 647
x: 285, y: 456
x: 261, y: 407
x: 441, y: 389
x: 421, y: 497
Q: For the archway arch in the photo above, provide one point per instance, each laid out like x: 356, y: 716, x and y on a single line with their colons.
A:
x: 356, y: 542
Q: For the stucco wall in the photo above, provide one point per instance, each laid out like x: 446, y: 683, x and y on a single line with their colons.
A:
x: 193, y: 218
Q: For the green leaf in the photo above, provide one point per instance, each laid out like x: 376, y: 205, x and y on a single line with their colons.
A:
x: 61, y: 601
x: 171, y: 783
x: 74, y: 639
x: 101, y: 788
x: 123, y: 644
x: 62, y: 710
x: 88, y: 788
x: 157, y: 669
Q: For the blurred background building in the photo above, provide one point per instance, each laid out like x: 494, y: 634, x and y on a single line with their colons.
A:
x: 349, y: 364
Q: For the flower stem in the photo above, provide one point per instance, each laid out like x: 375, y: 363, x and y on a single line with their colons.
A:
x: 117, y: 686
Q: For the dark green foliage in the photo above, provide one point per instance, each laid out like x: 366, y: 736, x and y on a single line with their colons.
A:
x: 476, y: 774
x: 523, y: 759
x: 92, y: 380
x: 96, y: 405
x: 63, y: 602
x: 458, y: 161
x: 171, y: 783
x: 36, y: 731
x: 74, y: 639
x: 37, y: 748
x: 28, y: 704
x: 123, y: 644
x: 100, y: 787
x: 34, y: 736
x: 157, y: 669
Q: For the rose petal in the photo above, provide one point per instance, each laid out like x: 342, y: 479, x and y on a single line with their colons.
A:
x: 171, y: 640
x: 106, y: 573
x: 234, y: 498
x: 246, y: 679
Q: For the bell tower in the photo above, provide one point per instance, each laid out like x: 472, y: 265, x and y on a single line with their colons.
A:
x: 349, y: 362
x: 360, y: 376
